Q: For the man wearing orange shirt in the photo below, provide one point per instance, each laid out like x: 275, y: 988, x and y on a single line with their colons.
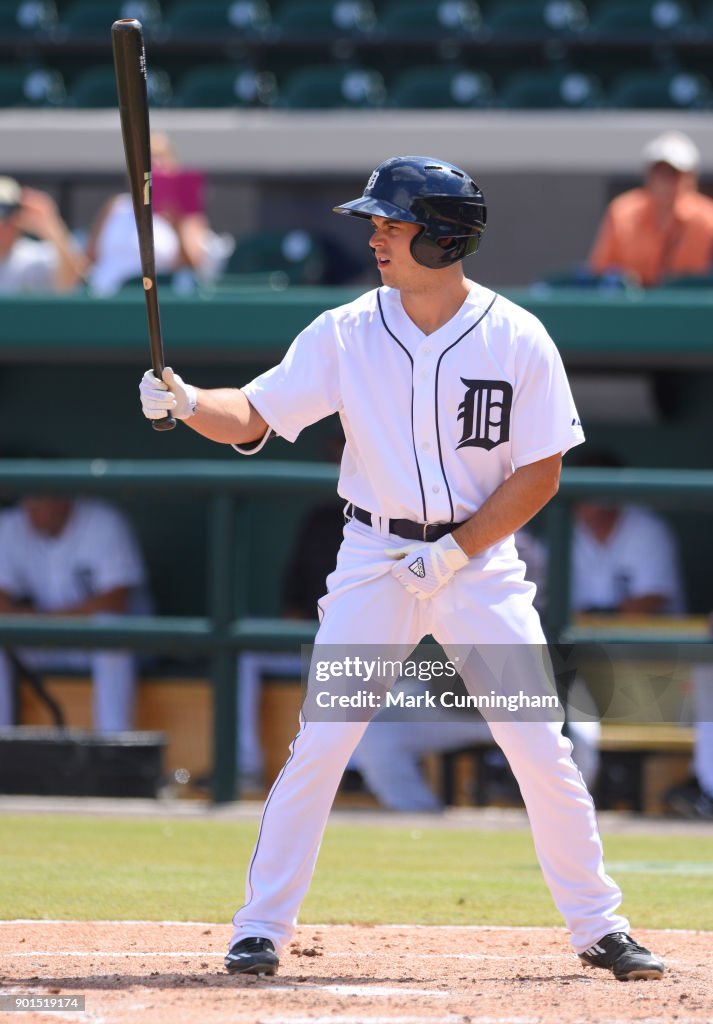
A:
x: 663, y: 229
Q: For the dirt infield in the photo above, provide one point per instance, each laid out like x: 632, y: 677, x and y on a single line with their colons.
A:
x: 143, y: 971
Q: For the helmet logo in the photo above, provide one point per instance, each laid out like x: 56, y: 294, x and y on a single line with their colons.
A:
x: 372, y: 181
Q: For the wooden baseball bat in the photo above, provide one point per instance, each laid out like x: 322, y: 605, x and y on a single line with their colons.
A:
x: 127, y: 41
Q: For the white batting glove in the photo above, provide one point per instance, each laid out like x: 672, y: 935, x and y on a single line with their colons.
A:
x: 423, y: 568
x: 171, y: 394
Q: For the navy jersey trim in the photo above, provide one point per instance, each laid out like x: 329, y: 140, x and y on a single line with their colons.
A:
x: 438, y: 429
x: 413, y: 435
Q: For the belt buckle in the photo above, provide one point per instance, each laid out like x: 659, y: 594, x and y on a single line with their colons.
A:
x: 425, y: 531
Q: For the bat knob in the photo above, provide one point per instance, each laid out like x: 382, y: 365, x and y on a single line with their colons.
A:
x: 167, y: 423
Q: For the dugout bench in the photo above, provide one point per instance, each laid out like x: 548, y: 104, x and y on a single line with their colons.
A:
x: 638, y: 764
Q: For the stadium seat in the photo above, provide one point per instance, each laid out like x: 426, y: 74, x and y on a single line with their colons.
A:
x: 217, y: 17
x: 689, y: 281
x: 536, y: 17
x: 639, y: 16
x: 582, y: 277
x: 298, y: 255
x: 31, y: 87
x: 326, y: 86
x: 430, y: 17
x: 96, y: 87
x: 17, y: 17
x: 439, y: 86
x: 333, y: 17
x: 706, y: 18
x: 660, y: 90
x: 95, y: 17
x: 231, y: 85
x: 551, y: 89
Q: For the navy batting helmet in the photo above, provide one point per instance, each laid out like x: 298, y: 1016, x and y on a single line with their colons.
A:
x: 444, y: 200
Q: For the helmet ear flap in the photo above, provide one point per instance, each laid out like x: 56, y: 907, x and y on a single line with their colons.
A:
x: 437, y: 253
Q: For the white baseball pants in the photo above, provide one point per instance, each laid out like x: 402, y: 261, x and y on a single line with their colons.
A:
x: 486, y: 604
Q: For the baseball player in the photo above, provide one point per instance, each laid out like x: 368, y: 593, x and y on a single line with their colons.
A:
x: 456, y: 411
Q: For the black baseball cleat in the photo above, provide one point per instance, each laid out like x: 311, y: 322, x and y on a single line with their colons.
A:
x: 252, y: 956
x: 626, y: 959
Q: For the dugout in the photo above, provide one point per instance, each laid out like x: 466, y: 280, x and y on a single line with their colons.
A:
x: 641, y: 369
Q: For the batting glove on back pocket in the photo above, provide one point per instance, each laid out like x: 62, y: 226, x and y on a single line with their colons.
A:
x: 171, y: 394
x: 424, y: 568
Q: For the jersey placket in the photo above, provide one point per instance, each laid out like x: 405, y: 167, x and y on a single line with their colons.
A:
x: 425, y: 434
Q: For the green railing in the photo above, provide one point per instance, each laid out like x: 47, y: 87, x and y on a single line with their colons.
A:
x: 219, y: 634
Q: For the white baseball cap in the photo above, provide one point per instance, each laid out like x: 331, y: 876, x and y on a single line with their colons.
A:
x: 673, y: 148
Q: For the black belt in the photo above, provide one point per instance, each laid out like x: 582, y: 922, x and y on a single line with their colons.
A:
x: 405, y: 528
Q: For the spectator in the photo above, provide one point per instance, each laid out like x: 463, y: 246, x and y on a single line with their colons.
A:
x: 624, y: 559
x: 48, y: 262
x: 664, y: 228
x: 63, y: 556
x: 183, y: 238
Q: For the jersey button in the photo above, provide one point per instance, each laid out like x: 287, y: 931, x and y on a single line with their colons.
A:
x: 424, y: 376
x: 436, y: 489
x: 425, y: 446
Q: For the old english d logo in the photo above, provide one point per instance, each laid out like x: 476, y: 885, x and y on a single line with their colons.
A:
x: 485, y: 411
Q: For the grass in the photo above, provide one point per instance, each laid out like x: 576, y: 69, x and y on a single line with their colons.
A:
x: 104, y: 868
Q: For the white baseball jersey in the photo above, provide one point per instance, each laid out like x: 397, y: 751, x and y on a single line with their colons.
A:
x: 95, y: 552
x: 637, y: 559
x: 433, y: 423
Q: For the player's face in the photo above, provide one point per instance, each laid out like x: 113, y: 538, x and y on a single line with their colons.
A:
x: 391, y: 242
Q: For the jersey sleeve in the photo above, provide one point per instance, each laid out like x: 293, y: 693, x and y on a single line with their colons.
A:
x: 545, y: 419
x: 304, y: 387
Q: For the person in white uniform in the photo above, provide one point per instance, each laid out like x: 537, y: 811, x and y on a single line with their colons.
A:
x: 66, y: 556
x: 456, y: 412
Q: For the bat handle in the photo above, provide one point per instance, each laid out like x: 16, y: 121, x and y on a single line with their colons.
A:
x: 167, y: 423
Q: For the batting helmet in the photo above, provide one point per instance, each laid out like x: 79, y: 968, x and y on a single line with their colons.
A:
x: 444, y: 200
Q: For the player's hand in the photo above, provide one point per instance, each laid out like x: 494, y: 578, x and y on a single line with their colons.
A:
x: 423, y: 568
x: 171, y: 394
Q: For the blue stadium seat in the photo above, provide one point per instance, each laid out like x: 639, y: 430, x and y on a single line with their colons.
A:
x: 19, y: 18
x: 332, y: 17
x: 95, y: 17
x: 230, y: 85
x: 660, y: 17
x: 440, y: 87
x: 430, y: 18
x: 551, y: 89
x: 537, y: 17
x: 661, y: 90
x: 706, y: 18
x: 31, y: 87
x: 217, y: 17
x: 299, y: 256
x: 96, y: 87
x: 328, y: 86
